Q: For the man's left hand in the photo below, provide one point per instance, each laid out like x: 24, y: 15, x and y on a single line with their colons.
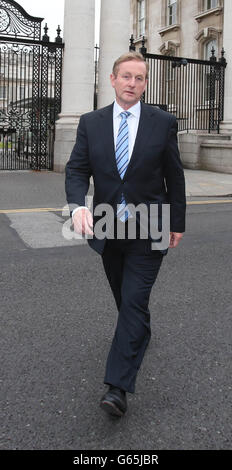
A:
x: 175, y: 238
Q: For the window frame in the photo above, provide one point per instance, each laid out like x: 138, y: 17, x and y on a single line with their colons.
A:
x: 172, y: 14
x: 208, y: 4
x: 141, y: 17
x: 214, y: 42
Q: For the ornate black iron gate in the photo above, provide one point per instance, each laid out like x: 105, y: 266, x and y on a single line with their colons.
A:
x: 30, y: 90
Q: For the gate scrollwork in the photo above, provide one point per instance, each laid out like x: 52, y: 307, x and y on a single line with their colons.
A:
x: 30, y: 89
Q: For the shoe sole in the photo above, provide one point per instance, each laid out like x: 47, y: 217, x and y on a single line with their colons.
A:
x: 111, y: 408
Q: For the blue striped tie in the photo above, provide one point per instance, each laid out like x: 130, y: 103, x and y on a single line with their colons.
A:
x: 122, y: 158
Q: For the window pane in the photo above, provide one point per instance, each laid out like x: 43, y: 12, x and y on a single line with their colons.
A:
x: 208, y: 49
x: 210, y: 4
x: 142, y: 8
x: 172, y: 12
x: 141, y: 17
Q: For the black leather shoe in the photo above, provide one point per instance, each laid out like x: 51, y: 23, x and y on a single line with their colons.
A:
x: 114, y: 401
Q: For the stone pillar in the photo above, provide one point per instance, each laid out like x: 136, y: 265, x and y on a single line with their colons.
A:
x: 114, y: 41
x: 78, y: 75
x: 226, y: 125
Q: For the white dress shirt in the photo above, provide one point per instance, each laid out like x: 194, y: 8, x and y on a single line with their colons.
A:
x: 133, y: 123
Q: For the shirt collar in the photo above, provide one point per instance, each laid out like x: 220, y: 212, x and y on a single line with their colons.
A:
x: 135, y: 109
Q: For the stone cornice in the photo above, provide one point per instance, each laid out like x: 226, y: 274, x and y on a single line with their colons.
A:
x: 212, y: 11
x: 172, y: 27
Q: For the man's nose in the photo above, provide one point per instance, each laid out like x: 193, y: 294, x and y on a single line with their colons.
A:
x: 132, y: 82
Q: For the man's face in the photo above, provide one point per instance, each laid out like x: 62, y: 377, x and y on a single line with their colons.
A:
x: 130, y: 82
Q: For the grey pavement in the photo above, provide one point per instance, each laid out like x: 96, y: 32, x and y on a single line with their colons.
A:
x: 25, y: 189
x: 58, y: 317
x: 207, y: 183
x: 29, y: 189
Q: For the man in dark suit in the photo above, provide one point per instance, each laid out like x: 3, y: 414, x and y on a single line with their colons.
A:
x: 130, y: 149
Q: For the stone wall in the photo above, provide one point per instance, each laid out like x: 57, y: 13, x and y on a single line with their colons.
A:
x: 201, y: 151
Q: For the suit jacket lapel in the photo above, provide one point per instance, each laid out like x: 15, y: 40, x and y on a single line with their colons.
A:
x: 107, y: 135
x: 147, y: 124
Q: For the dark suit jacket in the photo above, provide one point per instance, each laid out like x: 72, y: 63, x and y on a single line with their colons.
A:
x: 154, y: 173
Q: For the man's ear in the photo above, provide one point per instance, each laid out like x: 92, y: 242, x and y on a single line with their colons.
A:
x: 145, y: 84
x: 112, y: 79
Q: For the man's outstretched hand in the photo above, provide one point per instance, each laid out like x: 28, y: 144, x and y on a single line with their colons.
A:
x: 175, y: 239
x: 83, y: 222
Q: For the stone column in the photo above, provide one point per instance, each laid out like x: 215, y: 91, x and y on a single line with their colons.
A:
x: 114, y: 41
x: 78, y: 75
x: 226, y: 125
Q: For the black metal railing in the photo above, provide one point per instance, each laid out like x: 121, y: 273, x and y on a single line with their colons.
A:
x: 191, y: 89
x: 30, y: 90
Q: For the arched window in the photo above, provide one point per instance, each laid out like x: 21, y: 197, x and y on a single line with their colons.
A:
x: 209, y: 87
x: 208, y: 49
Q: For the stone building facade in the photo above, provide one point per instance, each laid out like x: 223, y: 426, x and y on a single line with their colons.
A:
x: 183, y: 28
x: 190, y: 29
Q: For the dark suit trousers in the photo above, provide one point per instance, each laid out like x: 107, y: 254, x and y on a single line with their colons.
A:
x: 131, y: 268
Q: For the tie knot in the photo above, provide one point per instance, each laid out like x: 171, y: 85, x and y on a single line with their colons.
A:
x: 125, y: 114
